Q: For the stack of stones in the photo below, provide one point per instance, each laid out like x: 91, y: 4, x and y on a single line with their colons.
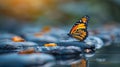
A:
x: 46, y: 47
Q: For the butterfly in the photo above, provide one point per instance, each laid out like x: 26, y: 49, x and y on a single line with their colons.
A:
x: 79, y: 29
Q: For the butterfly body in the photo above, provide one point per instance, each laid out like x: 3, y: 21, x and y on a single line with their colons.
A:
x: 79, y: 29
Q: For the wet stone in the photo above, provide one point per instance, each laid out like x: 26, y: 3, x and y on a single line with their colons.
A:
x: 8, y: 46
x: 26, y: 60
x: 94, y: 41
x: 60, y: 50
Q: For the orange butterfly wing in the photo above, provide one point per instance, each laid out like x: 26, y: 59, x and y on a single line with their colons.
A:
x: 79, y: 30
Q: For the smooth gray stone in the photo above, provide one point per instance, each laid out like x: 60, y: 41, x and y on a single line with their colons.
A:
x: 7, y: 46
x: 26, y: 60
x: 60, y: 50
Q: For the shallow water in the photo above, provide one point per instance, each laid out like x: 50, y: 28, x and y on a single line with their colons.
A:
x: 108, y: 56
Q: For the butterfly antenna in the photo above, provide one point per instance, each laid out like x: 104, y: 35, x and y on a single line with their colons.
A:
x: 86, y: 16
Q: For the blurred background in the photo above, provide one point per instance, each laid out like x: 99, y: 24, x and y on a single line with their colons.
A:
x: 57, y: 12
x: 62, y: 13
